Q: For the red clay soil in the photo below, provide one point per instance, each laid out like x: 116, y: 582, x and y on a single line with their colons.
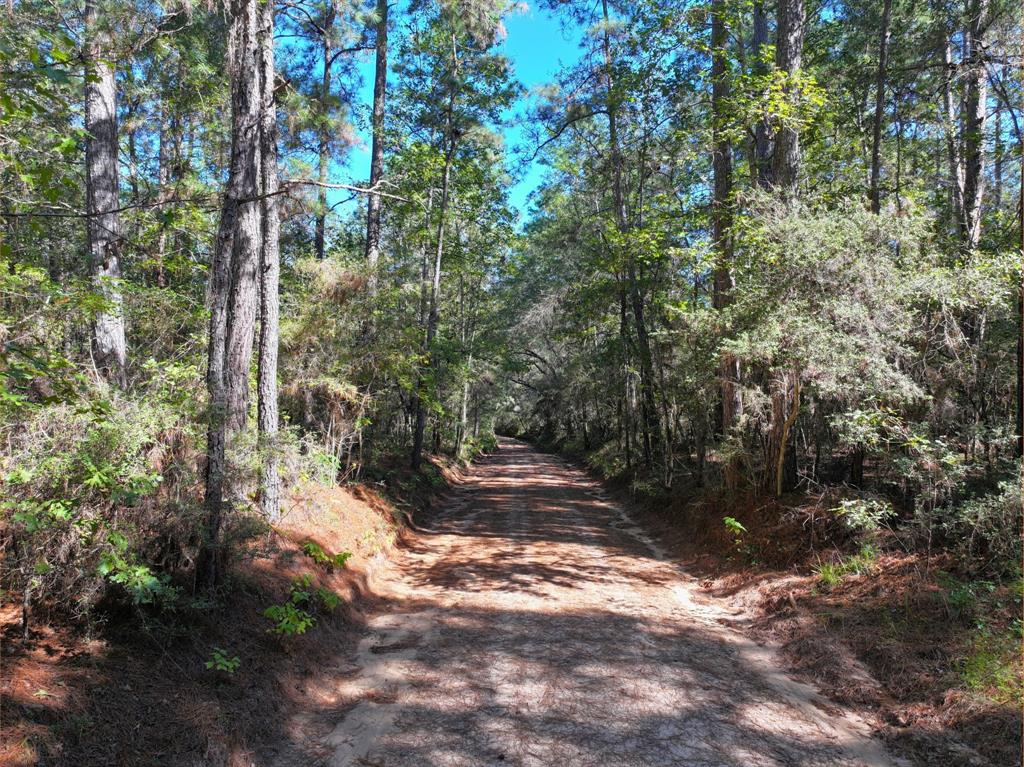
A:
x: 144, y: 697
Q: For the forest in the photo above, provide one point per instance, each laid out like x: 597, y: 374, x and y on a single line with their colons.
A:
x: 754, y: 265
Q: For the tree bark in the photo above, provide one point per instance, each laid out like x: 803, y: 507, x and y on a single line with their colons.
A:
x: 236, y: 245
x: 373, y: 203
x: 876, y: 128
x: 1020, y: 321
x: 434, y: 316
x: 761, y: 154
x: 267, y: 410
x: 953, y: 156
x: 324, y: 139
x: 103, y: 227
x: 997, y: 160
x: 975, y: 103
x: 788, y: 58
x: 785, y: 394
x: 721, y: 225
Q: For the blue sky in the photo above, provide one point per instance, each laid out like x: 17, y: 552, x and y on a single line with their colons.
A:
x: 538, y: 47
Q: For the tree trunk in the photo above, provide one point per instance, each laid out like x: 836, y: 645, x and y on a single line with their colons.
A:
x: 648, y: 408
x: 956, y: 167
x: 857, y: 466
x: 721, y: 215
x: 267, y: 411
x: 876, y: 128
x: 1020, y: 323
x: 760, y: 156
x: 104, y: 222
x: 997, y: 158
x: 373, y: 203
x: 785, y: 409
x: 237, y: 241
x: 785, y: 394
x: 627, y: 398
x: 788, y: 58
x: 167, y: 177
x: 975, y: 103
x: 434, y: 316
x: 324, y: 139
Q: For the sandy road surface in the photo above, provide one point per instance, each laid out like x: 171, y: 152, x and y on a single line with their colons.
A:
x: 536, y: 626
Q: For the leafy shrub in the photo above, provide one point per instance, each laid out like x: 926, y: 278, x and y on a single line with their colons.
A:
x: 289, y: 619
x: 220, y: 661
x: 294, y: 616
x: 986, y: 530
x: 734, y: 526
x: 316, y: 552
x: 86, y: 494
x: 864, y: 514
x: 328, y: 599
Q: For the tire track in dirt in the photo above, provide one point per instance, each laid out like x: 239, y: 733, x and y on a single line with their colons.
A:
x: 535, y: 624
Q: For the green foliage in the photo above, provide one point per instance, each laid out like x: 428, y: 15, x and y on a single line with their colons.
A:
x: 82, y: 491
x: 220, y: 660
x: 119, y: 565
x: 294, y: 616
x: 831, y: 574
x: 316, y: 552
x: 985, y: 529
x: 327, y: 598
x: 733, y: 526
x: 289, y: 619
x: 992, y: 666
x: 864, y: 515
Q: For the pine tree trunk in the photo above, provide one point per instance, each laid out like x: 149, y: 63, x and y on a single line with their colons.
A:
x: 997, y: 157
x: 434, y: 308
x: 761, y: 154
x: 649, y: 413
x: 267, y: 410
x: 237, y: 241
x: 788, y: 58
x: 876, y: 128
x: 785, y: 391
x: 953, y: 157
x: 976, y: 106
x: 373, y: 204
x: 324, y: 143
x: 732, y: 403
x: 109, y: 347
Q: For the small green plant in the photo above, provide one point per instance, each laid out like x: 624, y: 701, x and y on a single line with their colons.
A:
x: 219, y: 661
x: 294, y: 616
x: 964, y: 596
x: 119, y: 565
x: 328, y: 599
x: 316, y: 552
x: 735, y: 527
x: 831, y: 574
x: 748, y: 551
x: 289, y: 620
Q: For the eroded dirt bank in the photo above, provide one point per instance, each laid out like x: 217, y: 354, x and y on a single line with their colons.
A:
x: 532, y: 624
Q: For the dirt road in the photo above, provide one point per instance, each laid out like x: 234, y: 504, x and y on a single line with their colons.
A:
x: 539, y: 627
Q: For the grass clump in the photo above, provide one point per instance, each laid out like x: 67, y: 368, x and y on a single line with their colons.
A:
x: 831, y: 574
